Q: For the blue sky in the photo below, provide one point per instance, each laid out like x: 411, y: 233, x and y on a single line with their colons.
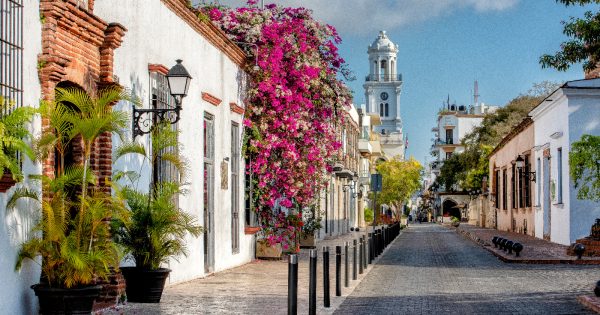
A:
x: 447, y: 44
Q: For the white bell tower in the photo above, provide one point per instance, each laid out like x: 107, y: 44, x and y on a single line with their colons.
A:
x: 382, y: 87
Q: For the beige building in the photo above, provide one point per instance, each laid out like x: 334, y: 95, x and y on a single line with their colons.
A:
x: 510, y: 167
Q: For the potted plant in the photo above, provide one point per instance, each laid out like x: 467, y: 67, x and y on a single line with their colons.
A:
x: 14, y: 135
x: 72, y: 235
x: 157, y: 227
x: 454, y: 221
x: 311, y: 224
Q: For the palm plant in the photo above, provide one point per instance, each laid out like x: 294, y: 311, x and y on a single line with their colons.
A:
x: 73, y: 237
x: 73, y: 255
x: 158, y: 226
x: 14, y: 135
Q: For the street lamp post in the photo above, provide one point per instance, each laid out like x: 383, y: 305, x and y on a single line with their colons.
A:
x: 144, y: 119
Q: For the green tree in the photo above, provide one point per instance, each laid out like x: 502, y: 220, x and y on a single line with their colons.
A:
x: 584, y: 165
x: 401, y: 179
x: 584, y: 43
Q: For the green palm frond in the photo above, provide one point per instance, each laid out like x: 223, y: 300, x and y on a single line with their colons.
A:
x: 130, y: 148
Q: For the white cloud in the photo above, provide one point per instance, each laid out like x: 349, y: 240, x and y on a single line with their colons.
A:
x: 362, y: 17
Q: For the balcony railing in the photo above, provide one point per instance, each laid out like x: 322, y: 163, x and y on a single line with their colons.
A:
x: 384, y: 77
x: 442, y: 142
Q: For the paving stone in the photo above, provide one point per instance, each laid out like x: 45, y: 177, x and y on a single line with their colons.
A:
x: 431, y: 269
x: 259, y: 287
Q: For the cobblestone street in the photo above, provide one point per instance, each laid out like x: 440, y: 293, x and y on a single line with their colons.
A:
x: 430, y: 269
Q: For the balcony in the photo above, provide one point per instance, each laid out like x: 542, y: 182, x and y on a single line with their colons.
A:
x: 383, y: 78
x: 376, y: 147
x: 440, y: 142
x: 364, y: 146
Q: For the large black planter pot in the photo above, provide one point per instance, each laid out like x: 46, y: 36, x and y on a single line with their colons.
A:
x: 55, y: 301
x: 144, y: 286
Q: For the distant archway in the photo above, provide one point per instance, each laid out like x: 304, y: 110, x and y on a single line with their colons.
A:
x: 449, y: 209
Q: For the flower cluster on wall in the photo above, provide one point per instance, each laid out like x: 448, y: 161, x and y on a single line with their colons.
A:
x: 294, y: 105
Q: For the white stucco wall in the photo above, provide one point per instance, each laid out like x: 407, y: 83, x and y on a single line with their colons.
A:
x: 550, y: 118
x: 584, y: 118
x: 16, y: 295
x: 558, y: 123
x: 157, y: 36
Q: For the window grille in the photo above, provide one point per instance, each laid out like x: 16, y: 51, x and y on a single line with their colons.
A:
x: 11, y: 52
x: 513, y: 180
x: 504, y: 190
x: 497, y: 189
x: 160, y: 97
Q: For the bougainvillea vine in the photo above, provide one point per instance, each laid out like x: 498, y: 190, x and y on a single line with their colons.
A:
x: 295, y: 102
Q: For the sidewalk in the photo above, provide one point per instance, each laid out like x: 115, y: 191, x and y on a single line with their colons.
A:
x: 535, y: 250
x: 259, y: 287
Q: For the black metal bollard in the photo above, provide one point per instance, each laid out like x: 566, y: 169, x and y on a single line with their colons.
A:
x: 312, y: 283
x: 375, y: 245
x: 346, y: 267
x: 361, y: 255
x: 293, y: 285
x: 338, y: 271
x: 326, y: 297
x: 509, y: 246
x: 354, y: 260
x: 517, y: 247
x: 365, y: 258
x: 370, y: 247
x: 578, y: 249
x: 379, y: 242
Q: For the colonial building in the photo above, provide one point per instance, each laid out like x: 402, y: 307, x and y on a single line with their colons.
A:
x: 339, y: 201
x: 510, y: 164
x: 370, y: 151
x: 210, y: 125
x: 132, y: 44
x: 382, y: 87
x: 453, y: 123
x: 560, y: 119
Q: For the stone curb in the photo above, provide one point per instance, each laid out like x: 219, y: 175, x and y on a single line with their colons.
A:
x: 591, y: 302
x: 507, y: 259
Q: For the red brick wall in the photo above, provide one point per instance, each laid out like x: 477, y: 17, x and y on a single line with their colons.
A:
x: 78, y: 47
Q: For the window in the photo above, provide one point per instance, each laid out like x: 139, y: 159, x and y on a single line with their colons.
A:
x: 209, y: 175
x: 504, y: 190
x: 521, y: 182
x: 386, y: 106
x: 527, y: 183
x: 11, y: 52
x: 381, y: 110
x: 513, y: 184
x: 344, y: 141
x: 560, y: 175
x: 448, y: 155
x: 235, y: 158
x: 497, y: 189
x: 449, y: 138
x: 160, y: 97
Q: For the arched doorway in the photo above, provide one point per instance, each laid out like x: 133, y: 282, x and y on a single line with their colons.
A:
x: 450, y: 209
